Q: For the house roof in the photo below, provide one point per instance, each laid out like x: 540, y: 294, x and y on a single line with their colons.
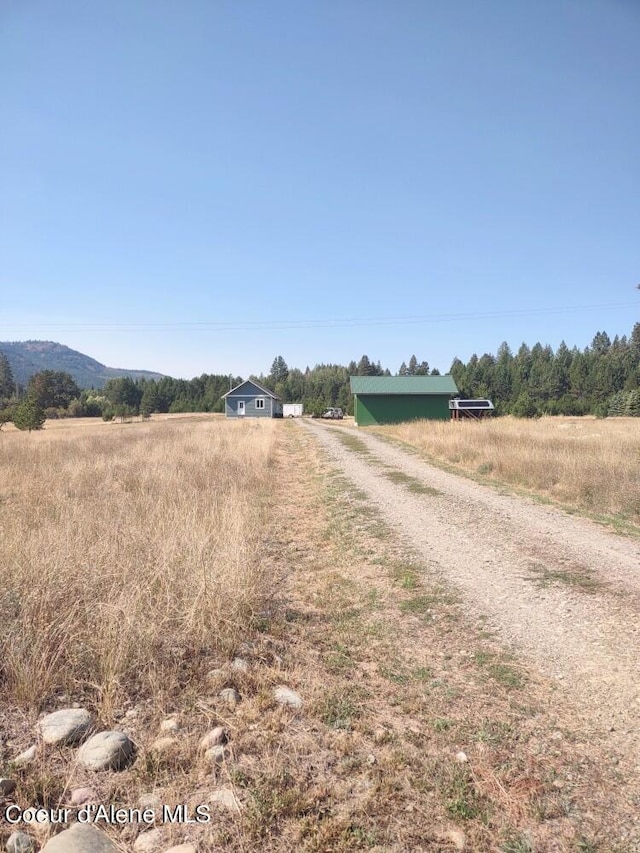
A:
x: 403, y: 385
x: 264, y: 391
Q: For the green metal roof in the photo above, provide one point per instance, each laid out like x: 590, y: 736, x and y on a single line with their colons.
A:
x: 403, y: 385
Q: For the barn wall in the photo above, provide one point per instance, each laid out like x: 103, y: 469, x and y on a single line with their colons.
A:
x: 395, y: 408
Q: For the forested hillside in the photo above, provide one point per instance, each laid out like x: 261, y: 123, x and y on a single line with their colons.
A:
x: 29, y: 357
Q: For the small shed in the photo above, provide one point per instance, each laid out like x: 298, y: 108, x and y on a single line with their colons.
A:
x: 250, y: 400
x: 393, y: 399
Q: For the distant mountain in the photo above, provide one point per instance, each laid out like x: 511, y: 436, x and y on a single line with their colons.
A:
x: 29, y: 357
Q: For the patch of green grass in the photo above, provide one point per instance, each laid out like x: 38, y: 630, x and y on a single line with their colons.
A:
x: 358, y: 837
x: 394, y: 674
x: 461, y: 799
x: 412, y: 483
x: 485, y: 468
x: 493, y: 732
x: 422, y: 604
x: 352, y: 442
x: 405, y: 574
x: 500, y: 670
x: 583, y: 580
x: 422, y: 673
x: 517, y: 844
x: 441, y: 724
x: 339, y: 710
x: 583, y: 845
x: 339, y: 658
x: 272, y: 799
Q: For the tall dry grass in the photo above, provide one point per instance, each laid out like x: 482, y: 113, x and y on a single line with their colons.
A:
x: 127, y: 552
x: 590, y: 464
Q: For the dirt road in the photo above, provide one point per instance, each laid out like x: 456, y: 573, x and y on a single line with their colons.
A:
x: 559, y: 590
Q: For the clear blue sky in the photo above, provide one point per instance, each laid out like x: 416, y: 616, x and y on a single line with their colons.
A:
x: 199, y: 186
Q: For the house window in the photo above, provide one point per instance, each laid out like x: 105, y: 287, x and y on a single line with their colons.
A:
x: 259, y: 403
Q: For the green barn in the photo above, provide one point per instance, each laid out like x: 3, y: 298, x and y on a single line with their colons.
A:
x: 393, y: 399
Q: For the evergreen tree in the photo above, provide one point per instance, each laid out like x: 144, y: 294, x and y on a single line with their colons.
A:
x: 149, y: 400
x: 7, y: 385
x: 53, y: 389
x: 29, y: 415
x: 279, y: 370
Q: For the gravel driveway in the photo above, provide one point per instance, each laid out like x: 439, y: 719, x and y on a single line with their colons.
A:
x: 558, y: 589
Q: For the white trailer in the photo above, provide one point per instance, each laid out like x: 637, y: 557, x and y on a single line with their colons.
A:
x: 292, y: 410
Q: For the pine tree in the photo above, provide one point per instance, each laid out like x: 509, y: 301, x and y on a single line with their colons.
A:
x: 7, y: 385
x: 149, y: 401
x: 29, y: 415
x: 279, y: 370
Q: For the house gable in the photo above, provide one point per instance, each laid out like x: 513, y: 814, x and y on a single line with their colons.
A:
x: 249, y: 388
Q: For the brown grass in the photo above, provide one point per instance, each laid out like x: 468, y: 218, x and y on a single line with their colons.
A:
x: 127, y: 551
x: 137, y: 557
x: 592, y: 465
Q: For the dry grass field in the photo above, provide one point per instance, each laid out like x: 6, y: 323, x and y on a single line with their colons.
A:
x: 591, y: 465
x: 137, y: 560
x: 125, y: 549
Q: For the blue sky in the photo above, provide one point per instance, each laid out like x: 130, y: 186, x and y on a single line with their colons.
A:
x: 199, y: 186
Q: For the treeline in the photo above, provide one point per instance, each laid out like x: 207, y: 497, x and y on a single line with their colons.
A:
x: 602, y: 379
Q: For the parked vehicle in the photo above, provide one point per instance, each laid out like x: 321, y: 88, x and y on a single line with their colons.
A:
x: 333, y: 414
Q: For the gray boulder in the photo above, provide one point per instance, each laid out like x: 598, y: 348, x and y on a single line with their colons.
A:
x: 112, y: 750
x: 287, y: 696
x: 81, y: 838
x: 20, y: 842
x: 67, y: 726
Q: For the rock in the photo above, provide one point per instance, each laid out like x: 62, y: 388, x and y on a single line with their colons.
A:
x: 240, y: 665
x: 457, y: 838
x: 230, y: 695
x: 182, y: 848
x: 164, y: 744
x: 215, y: 737
x: 7, y: 786
x: 170, y: 725
x: 80, y: 796
x: 216, y: 754
x: 216, y: 674
x: 67, y: 726
x: 81, y: 838
x: 150, y: 800
x: 111, y: 750
x: 226, y: 798
x: 20, y: 842
x: 26, y: 757
x: 149, y: 841
x: 371, y: 759
x: 461, y: 757
x: 287, y: 696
